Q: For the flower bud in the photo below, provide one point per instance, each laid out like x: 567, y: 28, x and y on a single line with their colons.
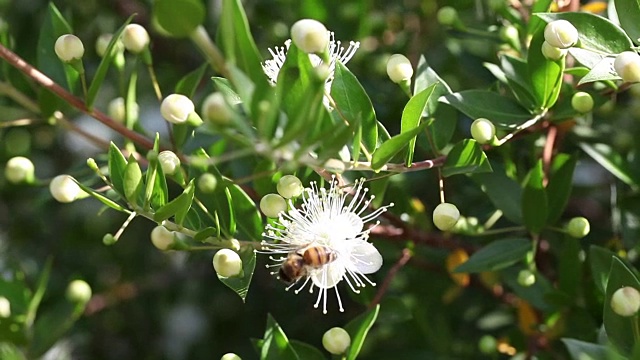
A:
x: 116, y: 110
x: 336, y: 340
x: 19, y: 169
x: 526, y: 278
x: 169, y: 162
x: 176, y: 108
x: 510, y: 35
x: 483, y: 131
x: 102, y: 42
x: 227, y: 263
x: 488, y: 345
x: 627, y: 65
x: 64, y: 189
x: 135, y: 38
x: 289, y: 186
x: 68, y: 48
x: 447, y: 16
x: 230, y: 356
x: 399, y: 68
x: 582, y: 102
x: 162, y: 238
x: 625, y: 301
x: 578, y: 227
x: 334, y: 166
x: 5, y: 307
x: 216, y: 110
x: 207, y: 183
x: 310, y: 36
x: 552, y: 52
x: 78, y: 291
x: 445, y: 216
x: 272, y: 205
x: 561, y: 34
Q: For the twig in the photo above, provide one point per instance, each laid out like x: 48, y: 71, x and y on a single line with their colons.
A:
x: 402, y: 261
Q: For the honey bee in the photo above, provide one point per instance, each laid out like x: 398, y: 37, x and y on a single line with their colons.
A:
x: 298, y: 263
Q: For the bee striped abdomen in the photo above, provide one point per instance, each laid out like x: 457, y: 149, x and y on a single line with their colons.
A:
x: 317, y: 256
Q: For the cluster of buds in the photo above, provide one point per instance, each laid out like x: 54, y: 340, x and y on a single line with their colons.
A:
x: 559, y: 35
x: 288, y: 187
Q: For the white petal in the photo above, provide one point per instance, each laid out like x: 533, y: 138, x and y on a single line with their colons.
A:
x: 329, y: 275
x: 349, y: 224
x: 365, y: 257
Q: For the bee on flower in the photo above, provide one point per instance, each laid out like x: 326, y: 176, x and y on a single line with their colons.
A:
x: 323, y: 242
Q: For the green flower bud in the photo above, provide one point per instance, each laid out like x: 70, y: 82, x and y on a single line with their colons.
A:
x: 582, y: 102
x: 488, y: 345
x: 627, y: 65
x: 272, y: 205
x: 227, y: 263
x: 289, y: 186
x: 216, y: 110
x: 19, y: 169
x: 578, y: 227
x: 135, y: 38
x: 207, y: 183
x: 310, y: 36
x: 445, y: 216
x: 162, y: 238
x: 230, y: 356
x: 526, y: 278
x: 176, y: 108
x: 552, y: 52
x: 625, y: 301
x: 447, y: 16
x: 169, y: 162
x: 510, y: 34
x: 399, y: 68
x: 5, y: 307
x: 64, y: 189
x: 336, y: 340
x: 109, y: 239
x: 561, y: 34
x: 116, y: 110
x: 69, y: 48
x: 483, y: 131
x: 78, y: 291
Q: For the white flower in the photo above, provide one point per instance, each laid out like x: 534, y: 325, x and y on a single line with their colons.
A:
x: 326, y: 219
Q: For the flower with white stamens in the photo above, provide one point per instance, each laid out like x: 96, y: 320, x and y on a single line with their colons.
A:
x: 327, y: 219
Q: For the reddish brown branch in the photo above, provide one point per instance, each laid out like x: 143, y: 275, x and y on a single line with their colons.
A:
x: 402, y: 261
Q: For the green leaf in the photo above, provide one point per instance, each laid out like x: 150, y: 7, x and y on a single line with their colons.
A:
x: 600, y: 262
x: 103, y: 199
x: 595, y: 32
x: 580, y: 350
x: 545, y: 75
x: 132, y: 180
x: 535, y: 206
x: 178, y: 206
x: 306, y: 351
x: 496, y: 255
x: 602, y: 71
x: 504, y: 192
x: 9, y: 351
x: 516, y: 76
x: 501, y: 110
x: 358, y: 329
x: 628, y: 14
x: 538, y: 6
x: 240, y: 284
x: 276, y: 344
x: 354, y: 103
x: 179, y: 17
x: 205, y: 233
x: 560, y: 184
x: 41, y: 288
x: 604, y: 155
x: 392, y: 146
x: 586, y: 57
x: 107, y: 59
x: 117, y: 165
x: 466, y: 157
x: 620, y: 330
x: 189, y: 83
x: 411, y: 116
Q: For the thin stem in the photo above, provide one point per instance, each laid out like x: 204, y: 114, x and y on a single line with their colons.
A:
x: 154, y: 81
x: 522, y: 126
x: 402, y: 261
x: 492, y: 219
x: 441, y: 185
x: 83, y: 81
x: 500, y: 231
x: 125, y: 224
x: 214, y: 56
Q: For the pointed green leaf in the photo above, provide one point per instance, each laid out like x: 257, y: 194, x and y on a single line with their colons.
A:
x: 602, y: 71
x: 579, y: 350
x: 205, y: 233
x: 54, y: 26
x: 501, y: 110
x: 504, y: 192
x: 411, y: 116
x: 466, y: 157
x: 358, y: 329
x: 535, y: 206
x: 306, y: 351
x: 248, y: 219
x: 496, y: 255
x: 628, y: 14
x: 178, y: 206
x: 179, y: 18
x: 600, y: 262
x: 132, y: 181
x: 545, y: 75
x: 276, y: 344
x: 240, y: 284
x: 103, y: 199
x: 560, y: 184
x: 620, y: 330
x: 392, y: 146
x: 117, y: 164
x: 189, y: 83
x: 604, y: 155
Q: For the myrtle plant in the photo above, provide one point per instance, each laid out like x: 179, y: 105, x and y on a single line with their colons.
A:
x: 431, y: 211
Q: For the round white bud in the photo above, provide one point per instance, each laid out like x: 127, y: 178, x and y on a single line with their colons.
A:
x: 207, y: 183
x: 116, y: 110
x: 230, y: 356
x: 216, y: 110
x: 289, y: 186
x: 526, y: 278
x: 176, y: 108
x: 625, y: 301
x: 227, y: 263
x: 445, y: 216
x: 552, y: 52
x: 582, y: 102
x: 135, y: 38
x: 272, y: 205
x: 162, y: 238
x: 336, y: 340
x: 68, y: 48
x: 334, y: 165
x: 64, y: 189
x: 19, y: 169
x: 78, y: 291
x: 102, y: 42
x: 627, y: 65
x: 483, y: 131
x: 561, y: 34
x: 5, y: 307
x: 310, y: 36
x: 578, y: 227
x: 169, y: 162
x: 399, y: 68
